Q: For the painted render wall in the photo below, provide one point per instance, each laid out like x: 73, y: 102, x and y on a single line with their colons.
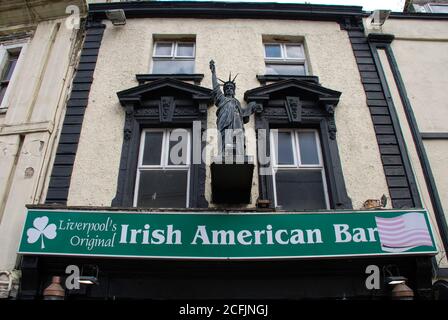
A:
x: 421, y: 52
x: 429, y: 98
x: 236, y: 46
x: 27, y: 130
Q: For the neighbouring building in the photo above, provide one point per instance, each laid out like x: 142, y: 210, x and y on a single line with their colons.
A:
x: 38, y: 55
x: 138, y: 204
x: 425, y: 6
x: 411, y: 52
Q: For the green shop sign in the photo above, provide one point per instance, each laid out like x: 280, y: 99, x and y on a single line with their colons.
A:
x: 227, y: 235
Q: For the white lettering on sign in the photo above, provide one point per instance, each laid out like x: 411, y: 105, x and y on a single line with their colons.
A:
x: 256, y: 237
x: 223, y: 237
x: 147, y: 236
x: 343, y: 233
x: 203, y: 236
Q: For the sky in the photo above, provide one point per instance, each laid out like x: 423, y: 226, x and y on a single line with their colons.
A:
x: 367, y: 5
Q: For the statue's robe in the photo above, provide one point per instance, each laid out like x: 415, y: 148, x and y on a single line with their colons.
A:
x: 230, y: 114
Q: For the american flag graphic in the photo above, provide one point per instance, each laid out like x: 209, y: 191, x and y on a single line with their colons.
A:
x: 404, y: 232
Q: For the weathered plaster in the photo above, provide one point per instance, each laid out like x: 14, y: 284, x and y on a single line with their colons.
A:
x: 8, y: 150
x: 34, y: 106
x: 21, y: 192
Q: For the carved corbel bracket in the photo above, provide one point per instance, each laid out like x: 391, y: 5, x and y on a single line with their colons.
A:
x: 255, y: 107
x: 294, y: 109
x: 129, y: 110
x: 202, y: 108
x: 331, y: 123
x: 166, y: 109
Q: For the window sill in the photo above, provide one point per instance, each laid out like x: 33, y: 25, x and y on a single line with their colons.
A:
x: 196, y: 77
x: 3, y: 110
x: 276, y: 77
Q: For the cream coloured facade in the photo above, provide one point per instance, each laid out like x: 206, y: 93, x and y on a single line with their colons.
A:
x: 45, y: 43
x: 420, y: 49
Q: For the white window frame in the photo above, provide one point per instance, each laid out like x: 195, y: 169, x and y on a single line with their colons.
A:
x: 284, y: 60
x: 173, y: 56
x: 163, y: 160
x: 297, y: 161
x: 4, y: 57
x: 154, y: 55
x: 176, y: 56
x: 429, y: 7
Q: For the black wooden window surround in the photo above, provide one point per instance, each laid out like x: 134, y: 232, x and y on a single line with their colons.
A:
x: 164, y: 103
x: 297, y: 104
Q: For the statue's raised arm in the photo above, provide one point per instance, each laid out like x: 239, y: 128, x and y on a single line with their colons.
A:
x: 214, y: 77
x: 217, y: 93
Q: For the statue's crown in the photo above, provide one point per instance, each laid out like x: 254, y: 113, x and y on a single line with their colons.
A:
x: 230, y: 82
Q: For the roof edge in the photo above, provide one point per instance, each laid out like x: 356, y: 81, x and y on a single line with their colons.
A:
x: 210, y: 9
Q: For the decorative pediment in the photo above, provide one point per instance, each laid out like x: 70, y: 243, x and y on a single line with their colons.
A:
x: 304, y: 90
x: 295, y: 101
x: 166, y: 87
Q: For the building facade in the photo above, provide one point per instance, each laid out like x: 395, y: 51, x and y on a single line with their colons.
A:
x: 38, y: 55
x: 315, y: 99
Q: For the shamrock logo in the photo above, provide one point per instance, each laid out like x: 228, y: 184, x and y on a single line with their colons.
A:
x: 41, y: 229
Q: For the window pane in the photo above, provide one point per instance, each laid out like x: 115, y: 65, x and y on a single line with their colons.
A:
x: 438, y: 8
x: 285, y: 69
x: 284, y: 148
x: 153, y: 148
x: 272, y: 51
x: 10, y: 68
x: 178, y: 150
x: 300, y: 189
x: 173, y: 66
x: 294, y: 51
x: 163, y: 189
x: 163, y: 49
x: 185, y: 50
x: 3, y: 88
x: 308, y: 148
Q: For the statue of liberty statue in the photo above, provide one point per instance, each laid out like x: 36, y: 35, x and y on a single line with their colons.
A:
x: 231, y: 117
